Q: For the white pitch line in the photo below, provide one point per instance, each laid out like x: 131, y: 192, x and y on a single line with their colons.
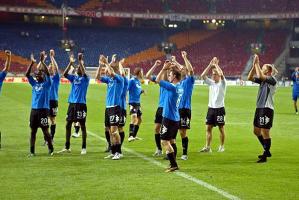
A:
x: 181, y: 174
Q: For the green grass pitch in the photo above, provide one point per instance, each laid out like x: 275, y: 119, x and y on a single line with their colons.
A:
x: 72, y: 176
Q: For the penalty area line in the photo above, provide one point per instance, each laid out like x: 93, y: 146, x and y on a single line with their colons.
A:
x: 178, y: 173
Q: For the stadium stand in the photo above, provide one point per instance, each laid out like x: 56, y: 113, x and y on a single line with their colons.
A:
x: 160, y: 6
x: 232, y: 47
x: 24, y: 39
x: 28, y: 3
x: 139, y: 46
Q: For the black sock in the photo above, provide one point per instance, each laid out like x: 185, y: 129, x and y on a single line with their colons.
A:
x: 158, y: 141
x: 67, y: 145
x: 267, y: 144
x: 113, y: 148
x: 107, y: 135
x: 131, y: 131
x: 32, y: 150
x: 52, y: 129
x: 136, y: 128
x: 175, y: 150
x: 171, y: 159
x: 261, y: 139
x: 185, y: 145
x: 77, y: 128
x: 119, y: 149
x: 296, y: 109
x: 122, y: 137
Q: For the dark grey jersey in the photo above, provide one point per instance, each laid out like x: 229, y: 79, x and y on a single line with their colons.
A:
x: 266, y: 92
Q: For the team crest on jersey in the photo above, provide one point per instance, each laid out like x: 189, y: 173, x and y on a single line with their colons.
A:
x: 38, y: 88
x: 111, y: 83
x: 138, y: 85
x: 78, y: 81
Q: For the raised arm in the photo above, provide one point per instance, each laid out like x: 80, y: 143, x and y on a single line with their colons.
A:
x: 44, y: 67
x: 98, y: 73
x: 187, y: 63
x: 109, y: 69
x: 176, y: 63
x: 163, y: 71
x: 152, y: 69
x: 258, y: 69
x: 8, y: 61
x: 274, y: 70
x: 219, y: 70
x: 121, y: 67
x: 81, y: 64
x: 67, y: 69
x: 28, y: 71
x: 53, y: 61
x: 208, y: 68
x: 252, y: 71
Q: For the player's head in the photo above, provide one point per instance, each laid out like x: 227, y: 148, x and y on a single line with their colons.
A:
x: 215, y: 75
x: 79, y: 71
x: 267, y: 69
x: 115, y: 67
x: 138, y: 72
x: 174, y: 75
x: 51, y: 69
x: 39, y: 75
x: 297, y: 69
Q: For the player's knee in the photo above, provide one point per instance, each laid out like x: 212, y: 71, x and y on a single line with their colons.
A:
x: 139, y: 120
x: 53, y: 120
x: 183, y: 133
x: 165, y: 143
x: 257, y: 131
x: 113, y: 133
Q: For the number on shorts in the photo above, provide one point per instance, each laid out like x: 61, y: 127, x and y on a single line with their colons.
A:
x: 44, y: 121
x: 220, y: 118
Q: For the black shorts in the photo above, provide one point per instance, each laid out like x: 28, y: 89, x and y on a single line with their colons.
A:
x: 123, y: 118
x: 185, y: 118
x: 263, y: 118
x: 215, y: 116
x: 169, y: 129
x: 112, y: 116
x: 159, y: 117
x: 53, y: 108
x: 135, y: 109
x: 77, y: 112
x: 39, y: 118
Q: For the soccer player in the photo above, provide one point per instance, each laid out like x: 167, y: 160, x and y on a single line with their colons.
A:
x: 264, y: 112
x: 123, y: 106
x: 54, y: 74
x: 40, y: 102
x: 115, y: 84
x: 171, y: 117
x: 187, y: 83
x: 295, y: 79
x: 77, y: 110
x: 158, y: 116
x: 6, y: 68
x: 135, y: 91
x: 216, y: 110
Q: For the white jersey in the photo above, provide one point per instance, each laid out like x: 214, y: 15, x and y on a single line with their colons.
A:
x: 216, y: 92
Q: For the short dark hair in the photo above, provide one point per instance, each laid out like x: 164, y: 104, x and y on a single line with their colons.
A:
x: 137, y: 71
x: 177, y: 73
